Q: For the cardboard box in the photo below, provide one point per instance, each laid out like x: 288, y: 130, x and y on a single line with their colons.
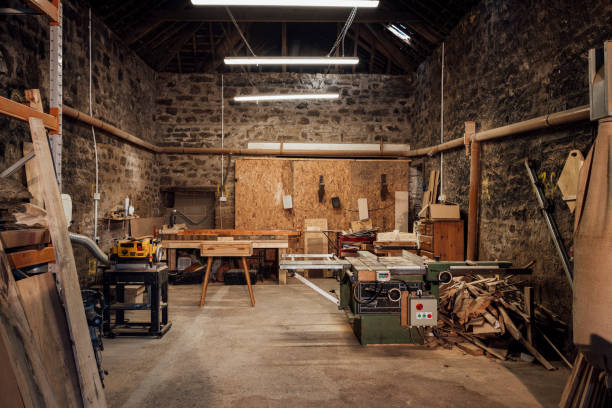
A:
x: 440, y: 211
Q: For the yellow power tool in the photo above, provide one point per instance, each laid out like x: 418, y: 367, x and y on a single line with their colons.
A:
x: 130, y: 250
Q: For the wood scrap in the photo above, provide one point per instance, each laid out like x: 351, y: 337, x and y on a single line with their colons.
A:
x: 481, y: 310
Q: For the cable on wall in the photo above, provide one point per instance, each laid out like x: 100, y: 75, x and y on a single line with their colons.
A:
x: 96, y: 197
x: 442, y: 197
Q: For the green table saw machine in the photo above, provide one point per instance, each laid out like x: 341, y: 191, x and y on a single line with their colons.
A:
x: 391, y: 300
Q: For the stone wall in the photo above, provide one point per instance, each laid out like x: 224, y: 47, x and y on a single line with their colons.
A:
x: 188, y: 113
x: 123, y: 94
x: 509, y: 61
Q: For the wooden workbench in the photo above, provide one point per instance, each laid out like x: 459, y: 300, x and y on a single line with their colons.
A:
x: 193, y: 239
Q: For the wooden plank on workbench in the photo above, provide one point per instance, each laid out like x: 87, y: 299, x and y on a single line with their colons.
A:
x: 89, y: 379
x: 47, y: 321
x: 231, y: 233
x: 31, y: 257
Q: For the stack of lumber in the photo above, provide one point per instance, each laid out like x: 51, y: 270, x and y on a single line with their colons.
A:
x: 586, y: 386
x: 490, y: 314
x: 392, y: 243
x: 15, y: 210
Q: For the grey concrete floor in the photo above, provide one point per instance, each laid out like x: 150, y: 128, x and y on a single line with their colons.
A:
x: 295, y: 349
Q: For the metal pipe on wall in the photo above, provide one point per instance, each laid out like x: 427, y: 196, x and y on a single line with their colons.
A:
x: 554, y: 119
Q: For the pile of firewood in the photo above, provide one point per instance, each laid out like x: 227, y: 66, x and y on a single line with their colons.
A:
x: 489, y: 315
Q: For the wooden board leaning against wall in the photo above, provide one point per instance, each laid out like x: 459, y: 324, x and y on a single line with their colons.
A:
x: 261, y: 184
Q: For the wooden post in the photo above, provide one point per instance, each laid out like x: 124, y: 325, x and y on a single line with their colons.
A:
x: 171, y: 258
x: 355, y: 45
x: 206, y: 278
x: 282, y: 273
x: 89, y: 378
x: 472, y: 241
x: 248, y: 280
x: 284, y: 43
x: 528, y: 293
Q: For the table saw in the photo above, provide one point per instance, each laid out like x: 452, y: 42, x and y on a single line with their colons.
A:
x: 391, y: 300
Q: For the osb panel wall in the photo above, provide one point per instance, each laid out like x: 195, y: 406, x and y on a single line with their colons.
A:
x: 261, y: 183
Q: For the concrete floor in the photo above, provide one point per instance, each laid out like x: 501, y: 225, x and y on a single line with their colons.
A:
x: 295, y: 349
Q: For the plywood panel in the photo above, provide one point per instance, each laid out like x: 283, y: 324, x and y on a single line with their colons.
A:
x: 365, y: 183
x: 306, y: 191
x: 141, y: 227
x: 46, y: 318
x: 315, y: 242
x: 401, y: 211
x: 260, y: 187
x: 262, y: 183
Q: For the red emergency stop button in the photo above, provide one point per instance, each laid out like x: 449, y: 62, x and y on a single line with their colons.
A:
x: 419, y: 306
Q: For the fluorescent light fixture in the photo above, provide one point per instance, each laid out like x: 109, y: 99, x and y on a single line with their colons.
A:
x: 285, y: 97
x: 289, y: 3
x: 399, y: 32
x: 291, y: 61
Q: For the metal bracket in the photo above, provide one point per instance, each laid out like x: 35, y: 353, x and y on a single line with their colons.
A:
x: 470, y: 131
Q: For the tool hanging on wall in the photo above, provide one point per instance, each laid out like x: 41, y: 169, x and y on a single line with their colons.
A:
x: 321, y: 189
x: 546, y: 209
x: 384, y: 189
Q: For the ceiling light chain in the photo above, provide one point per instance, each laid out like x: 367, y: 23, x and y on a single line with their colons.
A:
x: 240, y: 31
x: 344, y: 31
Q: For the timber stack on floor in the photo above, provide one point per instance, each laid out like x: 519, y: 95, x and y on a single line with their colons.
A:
x: 46, y: 352
x: 489, y: 314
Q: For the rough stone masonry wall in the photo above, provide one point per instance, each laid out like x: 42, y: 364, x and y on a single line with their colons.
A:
x: 123, y: 94
x: 509, y: 61
x: 188, y: 113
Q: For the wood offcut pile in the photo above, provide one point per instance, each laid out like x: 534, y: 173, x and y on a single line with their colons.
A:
x: 490, y: 315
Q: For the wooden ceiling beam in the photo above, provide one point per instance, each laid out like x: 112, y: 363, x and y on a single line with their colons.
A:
x: 227, y: 45
x: 177, y: 43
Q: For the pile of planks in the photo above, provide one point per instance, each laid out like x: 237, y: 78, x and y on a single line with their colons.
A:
x: 586, y: 386
x: 481, y: 315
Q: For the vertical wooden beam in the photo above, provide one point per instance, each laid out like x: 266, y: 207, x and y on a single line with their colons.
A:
x: 372, y: 55
x: 355, y: 45
x: 338, y: 29
x: 211, y: 39
x: 472, y: 241
x: 528, y: 294
x: 89, y: 379
x: 284, y: 43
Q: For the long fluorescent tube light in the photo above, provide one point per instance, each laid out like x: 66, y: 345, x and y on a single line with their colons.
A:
x: 285, y: 97
x: 291, y: 61
x: 289, y: 3
x: 399, y: 33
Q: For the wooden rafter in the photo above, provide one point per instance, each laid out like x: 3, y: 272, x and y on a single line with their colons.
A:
x: 47, y: 8
x: 183, y: 36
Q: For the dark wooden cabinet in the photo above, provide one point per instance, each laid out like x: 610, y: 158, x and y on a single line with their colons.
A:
x: 443, y: 238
